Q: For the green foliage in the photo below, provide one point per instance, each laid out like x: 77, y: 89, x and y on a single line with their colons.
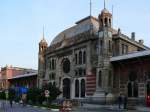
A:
x: 2, y: 95
x: 11, y: 94
x: 37, y: 96
x: 54, y: 91
x: 34, y: 95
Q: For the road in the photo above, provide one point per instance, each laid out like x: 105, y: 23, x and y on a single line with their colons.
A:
x: 5, y: 106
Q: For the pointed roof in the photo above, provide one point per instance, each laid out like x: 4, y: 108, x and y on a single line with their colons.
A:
x: 43, y: 40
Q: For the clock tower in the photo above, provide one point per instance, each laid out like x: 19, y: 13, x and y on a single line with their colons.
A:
x: 104, y: 72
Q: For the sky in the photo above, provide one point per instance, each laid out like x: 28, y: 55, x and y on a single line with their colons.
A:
x: 22, y: 21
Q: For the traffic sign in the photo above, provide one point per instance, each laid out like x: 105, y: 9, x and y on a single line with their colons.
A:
x: 46, y: 93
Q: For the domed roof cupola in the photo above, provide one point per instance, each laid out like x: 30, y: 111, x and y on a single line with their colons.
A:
x: 105, y: 18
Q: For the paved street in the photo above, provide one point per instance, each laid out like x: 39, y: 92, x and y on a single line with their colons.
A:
x: 5, y: 106
x: 19, y: 108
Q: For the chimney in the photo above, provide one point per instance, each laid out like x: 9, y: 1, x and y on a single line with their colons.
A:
x: 119, y: 31
x: 133, y: 36
x: 141, y: 41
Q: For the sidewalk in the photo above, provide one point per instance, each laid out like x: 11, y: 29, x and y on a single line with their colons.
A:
x: 99, y: 107
x: 143, y: 108
x: 111, y: 107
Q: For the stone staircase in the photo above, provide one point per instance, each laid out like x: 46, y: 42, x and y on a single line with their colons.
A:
x: 132, y: 102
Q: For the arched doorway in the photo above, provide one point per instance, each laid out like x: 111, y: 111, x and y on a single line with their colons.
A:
x: 66, y: 88
x: 148, y: 87
x: 132, y: 85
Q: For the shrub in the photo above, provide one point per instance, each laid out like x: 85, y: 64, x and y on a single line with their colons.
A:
x: 2, y: 95
x: 54, y: 91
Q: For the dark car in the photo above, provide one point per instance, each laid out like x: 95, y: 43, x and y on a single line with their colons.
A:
x: 148, y: 99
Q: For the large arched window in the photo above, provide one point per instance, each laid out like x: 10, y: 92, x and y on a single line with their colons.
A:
x: 84, y: 57
x: 82, y: 88
x: 76, y: 59
x: 53, y: 64
x: 100, y: 79
x: 80, y: 57
x: 77, y: 88
x: 50, y: 63
x: 109, y: 79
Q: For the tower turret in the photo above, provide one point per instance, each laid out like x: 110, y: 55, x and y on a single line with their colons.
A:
x: 41, y: 60
x: 103, y: 73
x: 105, y: 18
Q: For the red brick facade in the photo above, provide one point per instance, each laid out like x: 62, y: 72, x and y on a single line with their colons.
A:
x: 132, y: 76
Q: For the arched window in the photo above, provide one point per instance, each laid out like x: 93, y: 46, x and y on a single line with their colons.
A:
x: 80, y: 57
x: 53, y: 76
x: 109, y: 45
x: 106, y: 21
x: 82, y: 88
x: 80, y: 71
x: 101, y: 46
x: 50, y: 63
x: 84, y: 57
x: 84, y: 72
x: 53, y: 64
x: 54, y: 84
x: 50, y: 76
x: 76, y: 58
x: 100, y: 79
x: 109, y: 79
x: 77, y: 88
x: 76, y: 73
x: 102, y: 22
x: 110, y: 22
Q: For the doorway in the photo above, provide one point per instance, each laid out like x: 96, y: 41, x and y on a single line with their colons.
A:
x: 132, y: 85
x: 66, y: 88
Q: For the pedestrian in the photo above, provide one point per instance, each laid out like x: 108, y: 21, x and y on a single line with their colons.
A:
x: 11, y: 102
x: 125, y: 100
x: 120, y: 100
x: 24, y: 99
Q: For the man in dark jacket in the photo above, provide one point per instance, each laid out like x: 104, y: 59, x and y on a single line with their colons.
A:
x: 120, y: 101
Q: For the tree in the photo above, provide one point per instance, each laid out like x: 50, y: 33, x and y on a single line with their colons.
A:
x: 54, y: 91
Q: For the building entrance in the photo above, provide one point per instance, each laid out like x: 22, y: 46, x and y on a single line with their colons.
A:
x: 148, y: 87
x: 132, y: 85
x: 66, y: 88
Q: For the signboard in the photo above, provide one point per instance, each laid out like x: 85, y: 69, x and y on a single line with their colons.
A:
x: 46, y: 93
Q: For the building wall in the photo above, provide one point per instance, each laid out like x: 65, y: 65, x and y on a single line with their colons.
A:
x: 9, y: 72
x: 120, y: 45
x: 28, y: 82
x: 124, y: 69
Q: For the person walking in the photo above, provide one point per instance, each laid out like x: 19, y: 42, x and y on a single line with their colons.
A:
x: 11, y: 96
x: 11, y: 102
x: 125, y: 100
x: 120, y: 100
